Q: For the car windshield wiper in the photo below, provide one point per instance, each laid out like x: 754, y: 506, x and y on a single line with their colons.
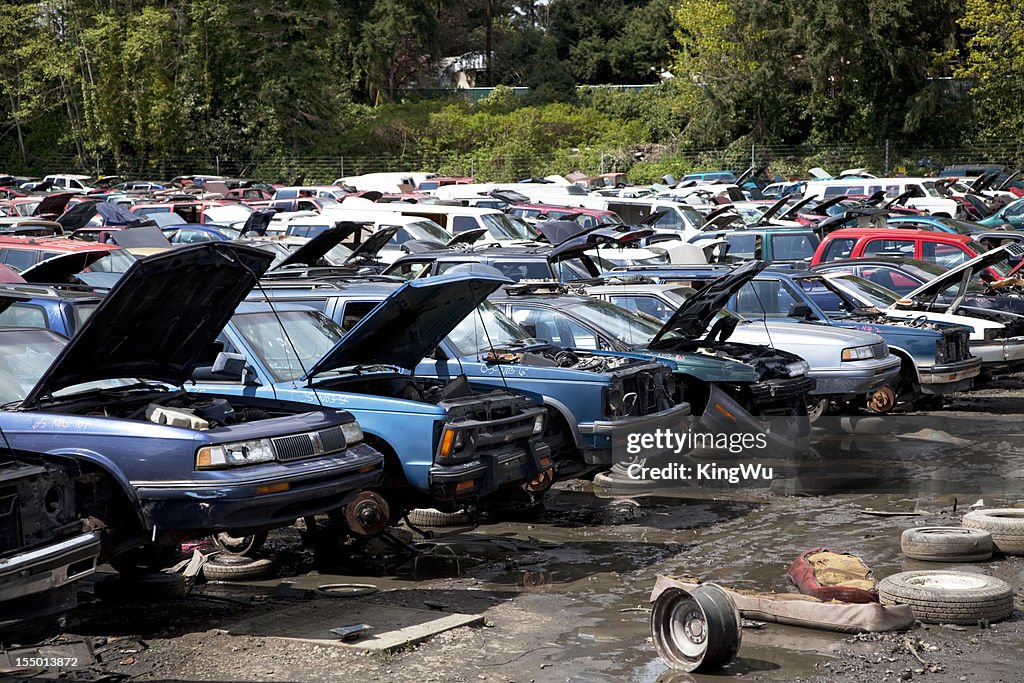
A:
x: 358, y: 370
x: 527, y: 343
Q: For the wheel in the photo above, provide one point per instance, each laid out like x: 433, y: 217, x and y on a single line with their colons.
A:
x: 816, y: 408
x: 1005, y: 524
x: 136, y: 558
x: 944, y: 597
x: 238, y: 568
x: 144, y: 588
x: 429, y: 517
x: 882, y: 400
x: 698, y: 629
x: 239, y: 545
x: 611, y: 482
x: 946, y: 544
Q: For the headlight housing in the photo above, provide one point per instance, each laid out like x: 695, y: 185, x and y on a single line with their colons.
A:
x: 236, y: 454
x: 452, y: 441
x: 858, y: 353
x: 992, y: 333
x: 798, y: 369
x: 538, y: 424
x: 613, y: 401
x: 352, y: 431
x: 940, y: 351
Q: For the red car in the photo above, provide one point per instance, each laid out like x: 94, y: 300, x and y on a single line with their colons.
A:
x: 941, y: 248
x: 21, y: 253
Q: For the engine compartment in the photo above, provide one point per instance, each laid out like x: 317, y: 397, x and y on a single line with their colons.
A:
x: 573, y: 359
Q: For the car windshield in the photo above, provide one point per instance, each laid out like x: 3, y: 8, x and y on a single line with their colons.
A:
x: 694, y: 217
x: 337, y: 254
x: 427, y: 230
x: 1001, y: 267
x: 26, y: 354
x: 867, y: 292
x: 501, y: 228
x: 288, y: 357
x: 625, y: 326
x: 80, y: 312
x: 279, y: 251
x: 484, y: 329
x: 929, y: 188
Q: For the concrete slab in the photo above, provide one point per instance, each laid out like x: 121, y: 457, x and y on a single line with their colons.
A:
x: 393, y: 627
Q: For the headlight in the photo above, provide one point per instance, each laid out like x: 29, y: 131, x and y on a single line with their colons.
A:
x: 234, y: 454
x: 538, y: 424
x: 940, y: 351
x: 613, y: 400
x: 798, y: 368
x: 352, y: 431
x: 858, y: 353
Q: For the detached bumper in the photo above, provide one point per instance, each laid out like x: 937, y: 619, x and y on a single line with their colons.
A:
x: 605, y: 441
x: 245, y: 501
x: 1000, y: 355
x: 49, y: 567
x: 856, y: 378
x: 479, y: 477
x: 939, y: 380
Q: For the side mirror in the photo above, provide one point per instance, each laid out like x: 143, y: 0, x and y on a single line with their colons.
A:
x: 800, y: 310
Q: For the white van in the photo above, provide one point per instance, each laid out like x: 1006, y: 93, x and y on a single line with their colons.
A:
x: 925, y: 195
x: 547, y: 193
x: 70, y: 183
x: 454, y: 219
x: 385, y: 183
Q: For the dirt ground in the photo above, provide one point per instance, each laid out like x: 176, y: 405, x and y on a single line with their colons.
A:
x: 564, y: 592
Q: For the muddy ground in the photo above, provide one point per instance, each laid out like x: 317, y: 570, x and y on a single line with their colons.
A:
x: 564, y: 592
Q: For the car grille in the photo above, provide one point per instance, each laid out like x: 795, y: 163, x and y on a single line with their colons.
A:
x: 957, y: 345
x: 645, y: 386
x: 10, y: 523
x: 309, y: 444
x: 780, y: 389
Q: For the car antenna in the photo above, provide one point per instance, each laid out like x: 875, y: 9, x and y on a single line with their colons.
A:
x: 273, y: 309
x: 490, y: 344
x: 764, y: 320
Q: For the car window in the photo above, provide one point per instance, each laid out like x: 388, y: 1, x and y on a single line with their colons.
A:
x: 650, y: 305
x: 792, y: 247
x: 889, y: 246
x: 888, y: 277
x: 838, y: 249
x: 818, y: 292
x: 670, y: 220
x: 946, y: 255
x: 1015, y: 209
x: 764, y: 298
x: 742, y: 245
x: 561, y: 330
x: 20, y: 259
x: 463, y: 223
x: 409, y: 270
x: 355, y: 311
x: 23, y: 315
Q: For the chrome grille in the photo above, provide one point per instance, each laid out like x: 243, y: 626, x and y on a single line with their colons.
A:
x: 309, y: 444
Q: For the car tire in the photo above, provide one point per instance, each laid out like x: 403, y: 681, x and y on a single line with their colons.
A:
x: 247, y: 545
x: 1005, y: 524
x: 611, y: 482
x: 429, y: 517
x: 224, y: 567
x: 946, y: 597
x: 946, y: 544
x: 144, y: 588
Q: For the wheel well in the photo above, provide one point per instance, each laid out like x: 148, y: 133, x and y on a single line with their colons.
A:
x: 100, y: 495
x: 394, y: 474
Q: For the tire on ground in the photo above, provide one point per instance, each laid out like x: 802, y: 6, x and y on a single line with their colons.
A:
x: 607, y: 481
x: 429, y: 517
x: 946, y: 597
x: 238, y: 568
x: 1005, y: 524
x: 145, y: 588
x: 946, y: 544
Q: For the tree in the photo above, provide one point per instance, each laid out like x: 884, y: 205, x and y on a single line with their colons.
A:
x: 995, y: 66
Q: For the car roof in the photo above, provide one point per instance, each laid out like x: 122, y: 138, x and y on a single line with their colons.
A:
x: 62, y: 292
x: 53, y: 243
x: 900, y: 234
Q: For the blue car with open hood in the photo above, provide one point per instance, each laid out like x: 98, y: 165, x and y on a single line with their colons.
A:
x: 160, y: 464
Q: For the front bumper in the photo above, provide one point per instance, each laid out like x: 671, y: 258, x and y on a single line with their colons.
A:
x: 315, y: 486
x: 939, y: 380
x: 1000, y: 355
x: 605, y: 441
x: 479, y: 477
x: 768, y: 396
x: 856, y: 378
x: 52, y: 566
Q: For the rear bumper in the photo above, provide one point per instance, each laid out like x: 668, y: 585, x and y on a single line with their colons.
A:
x: 939, y: 380
x: 479, y: 477
x: 605, y: 441
x: 860, y: 378
x: 52, y: 566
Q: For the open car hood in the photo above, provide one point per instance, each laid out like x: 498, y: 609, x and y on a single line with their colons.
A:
x: 970, y: 268
x: 557, y: 232
x: 159, y: 319
x: 63, y: 267
x: 78, y: 216
x: 53, y: 204
x: 113, y: 214
x: 466, y: 237
x: 145, y: 237
x: 411, y: 322
x: 693, y: 317
x: 371, y: 246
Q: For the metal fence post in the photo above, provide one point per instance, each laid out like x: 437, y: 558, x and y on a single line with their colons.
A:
x: 887, y: 156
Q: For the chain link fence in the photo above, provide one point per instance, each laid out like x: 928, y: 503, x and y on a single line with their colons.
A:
x: 644, y: 163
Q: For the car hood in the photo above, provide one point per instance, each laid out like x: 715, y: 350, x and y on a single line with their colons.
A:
x: 159, y: 319
x: 60, y: 268
x: 411, y: 322
x: 372, y: 245
x: 693, y: 317
x: 557, y: 232
x: 148, y: 236
x: 971, y: 269
x: 794, y: 336
x: 53, y: 204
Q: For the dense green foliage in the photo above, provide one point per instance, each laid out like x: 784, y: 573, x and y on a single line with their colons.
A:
x: 146, y: 83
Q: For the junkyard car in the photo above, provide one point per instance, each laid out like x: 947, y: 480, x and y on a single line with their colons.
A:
x: 588, y: 421
x: 161, y: 464
x: 44, y: 547
x: 445, y: 440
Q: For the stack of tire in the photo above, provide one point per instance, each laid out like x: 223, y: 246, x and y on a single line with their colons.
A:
x: 951, y: 597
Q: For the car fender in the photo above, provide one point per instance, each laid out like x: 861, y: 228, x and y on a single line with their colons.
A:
x: 107, y: 466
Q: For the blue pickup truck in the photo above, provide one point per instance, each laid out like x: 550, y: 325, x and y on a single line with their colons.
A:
x: 588, y: 420
x: 160, y: 465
